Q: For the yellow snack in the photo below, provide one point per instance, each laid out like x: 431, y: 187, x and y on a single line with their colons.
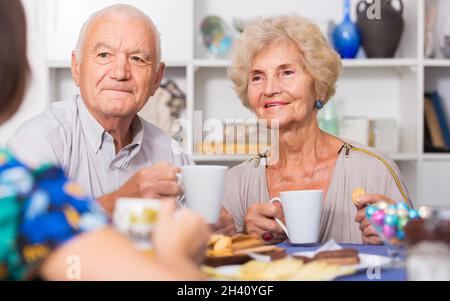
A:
x: 223, y: 243
x: 357, y: 192
x: 213, y: 239
x: 249, y: 242
x: 321, y: 271
x: 283, y: 269
x: 219, y: 253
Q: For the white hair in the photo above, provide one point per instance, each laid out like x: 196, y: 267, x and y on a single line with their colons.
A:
x: 124, y: 10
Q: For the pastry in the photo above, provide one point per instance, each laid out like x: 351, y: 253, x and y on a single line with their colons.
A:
x: 342, y: 257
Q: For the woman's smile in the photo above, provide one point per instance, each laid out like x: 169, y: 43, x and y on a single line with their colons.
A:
x: 275, y: 104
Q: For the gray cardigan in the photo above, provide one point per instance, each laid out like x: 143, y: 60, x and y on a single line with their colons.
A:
x: 247, y: 184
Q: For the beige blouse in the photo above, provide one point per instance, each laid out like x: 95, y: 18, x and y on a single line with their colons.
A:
x: 247, y: 184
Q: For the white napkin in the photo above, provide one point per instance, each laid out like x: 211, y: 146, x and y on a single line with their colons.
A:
x: 330, y: 245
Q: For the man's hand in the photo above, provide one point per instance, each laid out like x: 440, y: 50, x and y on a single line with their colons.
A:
x: 158, y: 182
x: 225, y: 225
x: 260, y: 220
x: 370, y: 235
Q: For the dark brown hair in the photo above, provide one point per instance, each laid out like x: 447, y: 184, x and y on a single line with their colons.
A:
x: 14, y: 67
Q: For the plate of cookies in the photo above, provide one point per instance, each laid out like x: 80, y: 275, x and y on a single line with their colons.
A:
x: 285, y: 269
x: 239, y: 249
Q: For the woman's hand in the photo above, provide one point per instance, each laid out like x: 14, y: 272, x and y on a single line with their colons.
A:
x: 179, y: 234
x: 370, y: 235
x: 260, y: 221
x: 225, y: 225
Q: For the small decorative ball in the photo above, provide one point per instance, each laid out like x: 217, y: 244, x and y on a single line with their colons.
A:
x: 402, y: 206
x: 414, y: 214
x: 402, y: 212
x: 400, y: 235
x: 382, y: 205
x: 393, y: 206
x: 370, y: 210
x: 389, y: 231
x: 402, y: 223
x: 425, y: 212
x: 391, y: 211
x: 391, y: 220
x: 378, y: 217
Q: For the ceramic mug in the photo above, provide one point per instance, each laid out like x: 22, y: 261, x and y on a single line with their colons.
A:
x: 136, y: 219
x: 203, y: 187
x: 302, y: 211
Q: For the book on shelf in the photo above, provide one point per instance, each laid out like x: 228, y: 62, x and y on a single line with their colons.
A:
x: 436, y: 130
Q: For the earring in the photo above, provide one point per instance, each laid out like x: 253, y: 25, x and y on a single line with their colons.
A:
x: 319, y: 104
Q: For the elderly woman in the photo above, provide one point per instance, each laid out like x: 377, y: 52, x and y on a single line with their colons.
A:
x: 285, y: 71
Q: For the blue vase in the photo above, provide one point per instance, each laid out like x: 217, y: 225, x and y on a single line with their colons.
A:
x: 346, y: 37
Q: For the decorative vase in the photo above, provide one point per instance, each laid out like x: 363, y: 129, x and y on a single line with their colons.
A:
x: 445, y: 49
x: 346, y: 37
x: 380, y: 36
x: 217, y: 36
x: 328, y: 118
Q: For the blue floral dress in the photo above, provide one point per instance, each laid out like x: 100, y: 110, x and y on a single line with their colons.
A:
x: 39, y: 211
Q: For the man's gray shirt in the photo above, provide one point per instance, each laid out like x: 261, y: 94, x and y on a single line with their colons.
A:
x: 66, y: 134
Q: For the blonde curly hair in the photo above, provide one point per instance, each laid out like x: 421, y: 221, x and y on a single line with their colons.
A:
x: 319, y: 59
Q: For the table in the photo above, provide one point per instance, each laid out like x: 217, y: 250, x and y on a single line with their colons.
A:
x: 389, y: 274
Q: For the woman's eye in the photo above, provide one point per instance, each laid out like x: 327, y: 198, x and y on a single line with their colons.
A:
x: 256, y: 79
x: 288, y: 72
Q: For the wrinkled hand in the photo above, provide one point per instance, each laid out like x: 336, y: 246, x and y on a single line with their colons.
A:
x: 179, y: 234
x: 158, y: 181
x: 225, y: 225
x: 260, y: 219
x: 370, y: 235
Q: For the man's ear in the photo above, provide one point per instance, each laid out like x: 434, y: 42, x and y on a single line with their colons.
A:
x: 158, y: 78
x: 75, y: 68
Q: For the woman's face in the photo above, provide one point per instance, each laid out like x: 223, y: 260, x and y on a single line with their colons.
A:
x: 279, y: 88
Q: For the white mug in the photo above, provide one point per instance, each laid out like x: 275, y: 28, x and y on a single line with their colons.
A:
x: 203, y: 187
x: 302, y: 211
x: 136, y: 219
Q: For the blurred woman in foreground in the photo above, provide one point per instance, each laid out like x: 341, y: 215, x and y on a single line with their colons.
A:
x: 45, y: 220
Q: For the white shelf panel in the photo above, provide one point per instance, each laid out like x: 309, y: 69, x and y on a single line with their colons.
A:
x: 347, y: 63
x: 437, y: 63
x: 212, y: 63
x: 58, y: 64
x: 176, y: 64
x: 376, y: 63
x: 221, y: 158
x: 403, y: 156
x: 436, y: 157
x: 224, y: 63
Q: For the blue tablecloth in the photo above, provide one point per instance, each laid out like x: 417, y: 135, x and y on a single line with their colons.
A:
x: 389, y: 274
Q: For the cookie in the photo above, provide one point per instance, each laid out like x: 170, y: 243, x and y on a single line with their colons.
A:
x: 357, y: 192
x: 342, y: 257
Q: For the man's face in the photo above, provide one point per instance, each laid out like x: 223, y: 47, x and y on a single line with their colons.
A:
x: 117, y: 73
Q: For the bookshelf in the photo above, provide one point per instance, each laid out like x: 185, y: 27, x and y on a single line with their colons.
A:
x: 374, y: 88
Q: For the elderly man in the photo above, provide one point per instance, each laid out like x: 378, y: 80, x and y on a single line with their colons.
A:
x: 99, y: 139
